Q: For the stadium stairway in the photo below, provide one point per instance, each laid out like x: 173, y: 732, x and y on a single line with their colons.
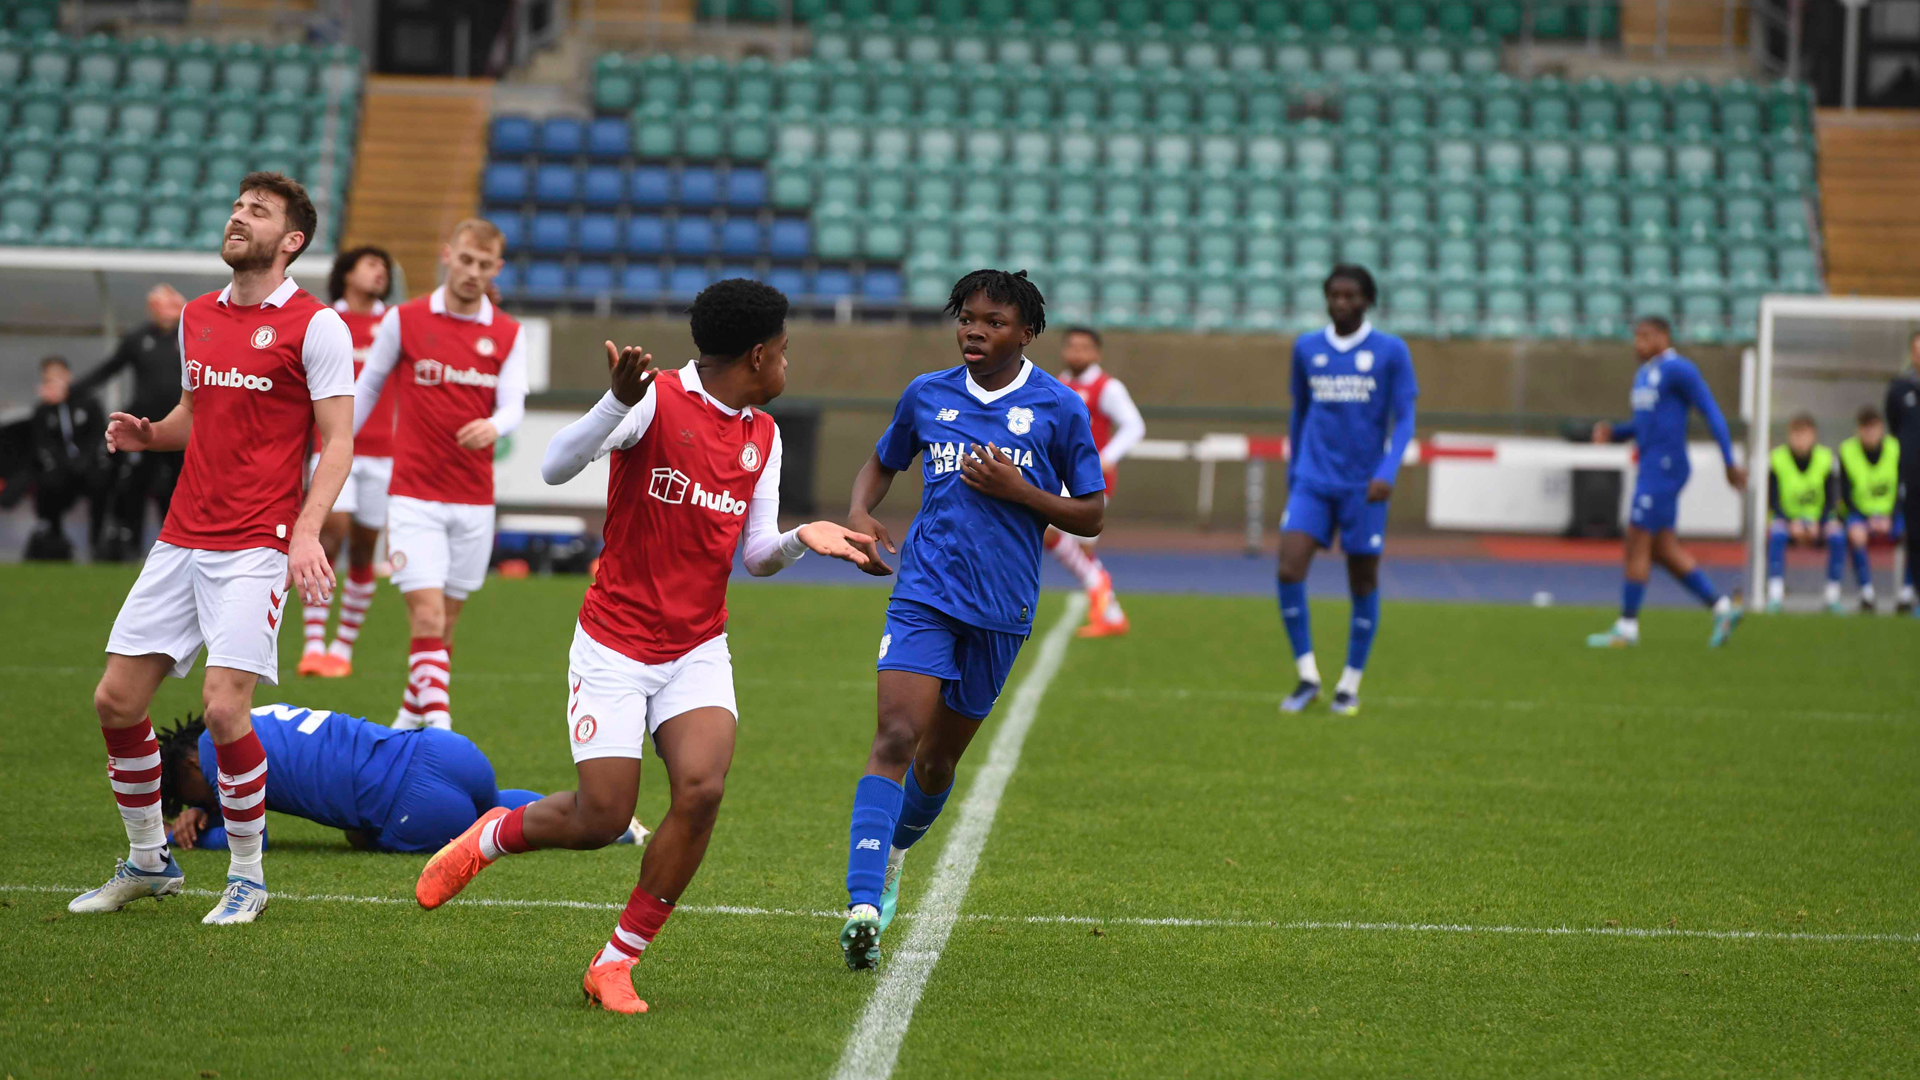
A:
x: 417, y: 172
x: 1868, y: 162
x: 1691, y: 24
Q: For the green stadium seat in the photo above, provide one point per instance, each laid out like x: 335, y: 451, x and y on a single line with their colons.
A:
x: 1501, y: 113
x: 1456, y: 259
x: 1362, y: 209
x: 1506, y: 315
x: 50, y: 63
x: 1201, y: 57
x: 1693, y: 118
x: 747, y: 139
x: 20, y: 218
x: 1409, y: 260
x: 883, y: 241
x: 847, y: 99
x: 1645, y: 115
x: 13, y: 62
x: 1361, y: 17
x: 1742, y: 167
x: 835, y: 240
x: 1265, y: 108
x: 128, y: 172
x: 1700, y: 266
x: 890, y: 146
x: 1386, y: 61
x: 1312, y: 207
x: 246, y: 76
x: 1457, y: 311
x: 1479, y: 61
x: 1798, y: 270
x: 1553, y: 262
x: 1432, y: 61
x: 1503, y: 161
x: 1599, y: 164
x: 1551, y: 213
x: 1453, y: 114
x: 654, y: 136
x: 1504, y: 262
x: 1647, y: 302
x: 1293, y: 60
x: 1550, y: 162
x: 1407, y: 209
x: 283, y: 130
x: 118, y: 224
x: 1597, y: 114
x: 1647, y: 163
x: 1791, y: 169
x: 1339, y: 60
x: 1740, y: 119
x: 69, y: 220
x: 1600, y: 214
x: 1411, y: 310
x: 1602, y: 263
x: 790, y: 189
x: 288, y: 76
x: 933, y: 198
x: 1743, y: 318
x: 1169, y: 252
x: 931, y: 244
x: 1265, y: 204
x: 1504, y: 211
x: 1790, y: 218
x: 1247, y: 57
x: 1266, y: 254
x: 1604, y: 313
x: 168, y: 225
x: 1649, y: 216
x: 839, y: 191
x: 1172, y: 155
x: 1170, y: 205
x: 1749, y: 266
x: 1652, y: 264
x: 1550, y: 116
x: 1555, y: 313
x: 887, y: 194
x: 97, y: 67
x: 1456, y: 210
x: 1703, y: 318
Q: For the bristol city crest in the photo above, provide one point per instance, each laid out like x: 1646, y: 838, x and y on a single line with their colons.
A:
x: 263, y: 337
x: 483, y: 346
x: 584, y: 728
x: 1019, y: 420
x: 750, y: 457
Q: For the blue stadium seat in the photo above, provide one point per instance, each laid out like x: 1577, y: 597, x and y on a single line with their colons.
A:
x: 508, y: 281
x: 740, y: 236
x: 641, y: 280
x: 546, y: 280
x: 609, y: 137
x: 599, y: 234
x: 746, y: 188
x: 552, y: 232
x: 880, y: 285
x: 652, y: 186
x: 790, y: 280
x: 693, y: 236
x: 686, y: 282
x: 504, y: 183
x: 512, y: 135
x: 736, y: 270
x: 562, y: 137
x: 513, y: 230
x: 699, y: 186
x: 592, y: 280
x: 602, y: 185
x: 789, y: 238
x: 646, y: 235
x: 832, y: 283
x: 556, y: 184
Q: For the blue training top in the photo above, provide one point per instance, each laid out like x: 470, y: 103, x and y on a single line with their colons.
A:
x: 327, y: 767
x: 969, y: 555
x: 1353, y: 407
x: 1664, y: 389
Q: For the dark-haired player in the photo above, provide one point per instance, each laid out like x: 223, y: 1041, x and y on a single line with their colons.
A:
x: 1117, y: 426
x: 1353, y: 407
x: 1665, y: 387
x: 361, y: 279
x: 263, y: 363
x: 1001, y: 439
x: 696, y: 463
x: 389, y: 790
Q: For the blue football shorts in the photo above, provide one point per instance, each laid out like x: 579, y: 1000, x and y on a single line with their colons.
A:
x: 971, y: 663
x: 1319, y: 512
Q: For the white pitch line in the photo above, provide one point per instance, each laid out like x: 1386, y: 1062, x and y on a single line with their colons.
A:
x: 1176, y: 923
x: 875, y: 1041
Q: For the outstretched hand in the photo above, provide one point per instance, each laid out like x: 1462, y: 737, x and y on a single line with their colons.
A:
x: 867, y: 536
x: 839, y: 542
x: 1379, y: 490
x: 127, y: 433
x: 630, y: 372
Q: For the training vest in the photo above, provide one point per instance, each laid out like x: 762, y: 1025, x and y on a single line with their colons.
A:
x: 1874, y: 485
x: 1803, y: 495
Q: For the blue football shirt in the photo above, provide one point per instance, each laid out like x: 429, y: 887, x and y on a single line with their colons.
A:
x: 1353, y: 408
x: 1664, y: 389
x: 327, y: 767
x: 975, y: 557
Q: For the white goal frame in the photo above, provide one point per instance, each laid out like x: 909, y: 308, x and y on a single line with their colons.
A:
x: 1759, y: 427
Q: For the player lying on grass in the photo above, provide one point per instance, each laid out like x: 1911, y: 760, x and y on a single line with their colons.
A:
x: 696, y: 463
x: 1802, y: 493
x: 389, y: 790
x: 1000, y: 437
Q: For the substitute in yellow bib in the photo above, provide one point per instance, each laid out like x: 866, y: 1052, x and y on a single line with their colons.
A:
x: 1803, y: 492
x: 1870, y: 490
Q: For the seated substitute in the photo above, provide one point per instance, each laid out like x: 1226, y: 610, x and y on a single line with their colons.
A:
x: 1870, y: 488
x: 1803, y: 495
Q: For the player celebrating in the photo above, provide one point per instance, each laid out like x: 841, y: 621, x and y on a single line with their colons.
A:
x: 1353, y: 408
x: 1870, y: 459
x: 389, y: 790
x: 1117, y: 426
x: 1001, y: 439
x: 1802, y: 492
x: 359, y: 284
x: 463, y: 384
x: 262, y: 363
x: 695, y: 462
x: 1665, y: 387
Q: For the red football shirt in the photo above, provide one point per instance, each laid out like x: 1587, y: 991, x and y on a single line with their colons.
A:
x: 676, y: 506
x: 376, y: 438
x: 254, y: 373
x: 447, y: 371
x: 1090, y: 392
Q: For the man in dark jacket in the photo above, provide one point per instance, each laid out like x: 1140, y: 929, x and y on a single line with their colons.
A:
x: 152, y: 352
x: 1903, y: 423
x: 65, y: 462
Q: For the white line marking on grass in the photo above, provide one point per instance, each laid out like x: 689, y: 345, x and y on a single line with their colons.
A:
x: 1350, y: 926
x: 875, y: 1042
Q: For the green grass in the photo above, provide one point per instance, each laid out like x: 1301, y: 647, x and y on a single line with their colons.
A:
x: 1501, y: 776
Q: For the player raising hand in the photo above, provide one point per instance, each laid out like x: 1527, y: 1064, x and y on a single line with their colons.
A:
x: 695, y: 463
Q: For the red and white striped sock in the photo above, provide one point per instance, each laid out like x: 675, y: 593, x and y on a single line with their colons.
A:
x: 243, y: 802
x: 429, y: 670
x: 645, y: 914
x: 1078, y: 560
x: 314, y: 618
x: 133, y: 767
x: 507, y: 836
x: 355, y: 598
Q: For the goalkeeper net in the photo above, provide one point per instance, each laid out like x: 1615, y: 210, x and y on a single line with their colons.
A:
x: 1823, y: 355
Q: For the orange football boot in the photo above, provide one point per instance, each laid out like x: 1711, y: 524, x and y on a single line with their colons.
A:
x: 453, y: 866
x: 1104, y: 627
x: 337, y: 667
x: 313, y: 663
x: 610, y: 986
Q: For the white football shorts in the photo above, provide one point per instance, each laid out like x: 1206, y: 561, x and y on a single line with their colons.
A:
x: 364, y: 495
x: 437, y: 545
x: 614, y: 701
x: 231, y: 602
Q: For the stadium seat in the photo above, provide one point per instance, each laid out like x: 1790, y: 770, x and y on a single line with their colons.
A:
x: 789, y: 238
x: 693, y: 236
x: 562, y: 137
x: 740, y: 236
x: 879, y: 285
x: 504, y: 183
x: 699, y: 187
x: 546, y: 280
x: 598, y: 234
x: 745, y: 189
x: 552, y: 233
x: 831, y: 283
x: 556, y: 184
x: 1555, y: 313
x: 602, y: 186
x: 1506, y: 314
x: 641, y: 281
x: 513, y: 231
x: 592, y: 280
x: 651, y: 186
x: 686, y: 282
x: 646, y: 235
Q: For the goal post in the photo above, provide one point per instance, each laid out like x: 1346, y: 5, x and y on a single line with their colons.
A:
x: 1824, y: 355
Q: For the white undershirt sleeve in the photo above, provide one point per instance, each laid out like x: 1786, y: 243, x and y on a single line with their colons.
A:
x: 1129, y: 427
x: 180, y: 346
x: 510, y: 395
x: 382, y: 355
x: 766, y: 550
x: 608, y: 426
x: 327, y: 353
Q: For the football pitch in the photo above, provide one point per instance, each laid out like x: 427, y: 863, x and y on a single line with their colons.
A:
x: 1523, y: 858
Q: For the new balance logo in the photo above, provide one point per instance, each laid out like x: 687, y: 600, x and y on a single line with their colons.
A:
x: 673, y: 487
x: 947, y: 416
x: 869, y: 844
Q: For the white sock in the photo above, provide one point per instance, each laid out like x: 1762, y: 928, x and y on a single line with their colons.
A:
x: 1723, y: 605
x: 1906, y: 594
x: 245, y: 861
x: 1078, y: 562
x: 1627, y: 628
x: 1833, y: 592
x: 1349, y: 681
x: 611, y: 955
x: 896, y: 856
x: 1308, y: 669
x: 146, y: 837
x: 1777, y: 589
x: 1866, y: 591
x: 490, y: 841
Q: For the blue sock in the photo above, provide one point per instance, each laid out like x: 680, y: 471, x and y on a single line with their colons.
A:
x: 1697, y: 584
x: 918, y: 810
x: 1632, y: 594
x: 1293, y: 612
x: 1862, y: 569
x: 1836, y: 556
x: 513, y: 798
x: 876, y: 806
x: 1777, y: 554
x: 1366, y: 621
